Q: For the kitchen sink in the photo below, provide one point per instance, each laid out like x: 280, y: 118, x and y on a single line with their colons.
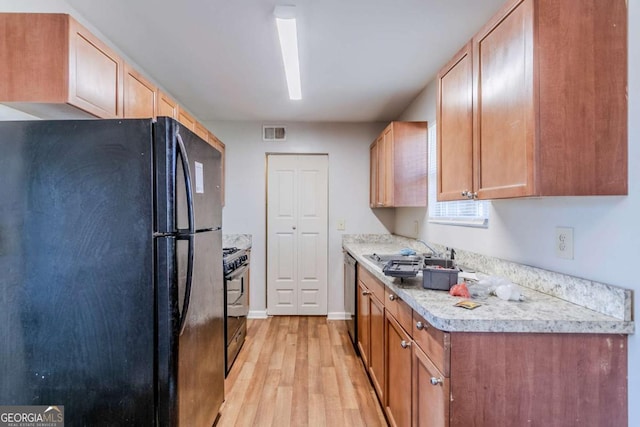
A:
x: 382, y: 259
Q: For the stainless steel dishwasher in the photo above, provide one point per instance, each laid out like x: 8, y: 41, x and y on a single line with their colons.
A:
x: 350, y: 306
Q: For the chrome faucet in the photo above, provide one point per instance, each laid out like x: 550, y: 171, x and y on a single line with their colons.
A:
x: 434, y: 253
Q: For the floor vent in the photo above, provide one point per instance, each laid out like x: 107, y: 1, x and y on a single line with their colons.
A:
x: 274, y: 133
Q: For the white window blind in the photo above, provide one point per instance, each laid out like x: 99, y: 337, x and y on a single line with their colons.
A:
x: 464, y: 212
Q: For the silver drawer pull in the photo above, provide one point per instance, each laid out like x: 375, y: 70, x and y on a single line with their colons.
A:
x: 405, y: 344
x: 420, y: 326
x: 392, y: 297
x: 366, y: 293
x: 436, y: 381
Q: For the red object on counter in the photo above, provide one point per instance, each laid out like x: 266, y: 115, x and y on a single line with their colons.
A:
x: 460, y: 290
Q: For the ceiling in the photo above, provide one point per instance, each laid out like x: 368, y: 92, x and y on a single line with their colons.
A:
x: 361, y: 60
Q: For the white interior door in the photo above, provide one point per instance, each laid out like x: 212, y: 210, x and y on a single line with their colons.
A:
x: 297, y: 228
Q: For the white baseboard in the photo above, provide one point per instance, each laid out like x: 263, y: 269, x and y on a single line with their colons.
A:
x: 257, y: 314
x: 337, y: 315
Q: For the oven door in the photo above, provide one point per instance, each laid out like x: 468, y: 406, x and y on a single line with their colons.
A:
x: 237, y: 307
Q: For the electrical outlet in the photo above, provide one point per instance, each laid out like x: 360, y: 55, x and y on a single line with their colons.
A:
x: 416, y: 228
x: 564, y: 242
x: 341, y: 224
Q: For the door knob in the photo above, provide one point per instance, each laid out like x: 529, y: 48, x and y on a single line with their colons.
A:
x: 392, y: 297
x: 405, y: 344
x: 435, y: 381
x: 419, y: 326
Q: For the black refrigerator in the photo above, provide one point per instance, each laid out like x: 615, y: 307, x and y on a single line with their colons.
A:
x: 111, y: 283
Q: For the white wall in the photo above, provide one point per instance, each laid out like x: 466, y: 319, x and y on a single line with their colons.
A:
x: 245, y: 211
x: 606, y: 229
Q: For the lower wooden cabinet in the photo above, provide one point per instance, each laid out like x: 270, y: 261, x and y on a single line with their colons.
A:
x: 376, y: 357
x: 398, y: 373
x: 426, y: 377
x: 371, y: 330
x: 429, y: 392
x: 364, y: 323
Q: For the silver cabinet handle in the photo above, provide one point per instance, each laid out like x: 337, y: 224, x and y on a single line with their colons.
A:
x: 473, y: 195
x: 405, y: 344
x: 419, y: 326
x: 465, y: 193
x: 392, y: 297
x: 366, y: 293
x: 436, y: 381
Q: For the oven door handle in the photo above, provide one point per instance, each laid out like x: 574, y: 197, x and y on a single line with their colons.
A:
x: 237, y: 273
x: 239, y: 297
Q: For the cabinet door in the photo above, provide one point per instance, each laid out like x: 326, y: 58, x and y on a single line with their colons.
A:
x: 430, y: 393
x: 201, y: 131
x: 186, y: 120
x: 165, y: 106
x: 398, y: 373
x: 382, y: 170
x: 504, y: 93
x: 387, y: 171
x: 213, y: 140
x: 455, y: 127
x: 373, y: 175
x: 95, y: 74
x: 376, y: 357
x: 364, y: 322
x: 139, y: 95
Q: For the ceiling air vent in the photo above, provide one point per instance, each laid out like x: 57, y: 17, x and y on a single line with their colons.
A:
x: 274, y: 133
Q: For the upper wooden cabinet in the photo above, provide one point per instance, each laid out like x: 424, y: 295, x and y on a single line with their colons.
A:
x: 549, y: 82
x: 454, y: 117
x: 186, y: 119
x: 373, y: 174
x: 213, y: 140
x: 398, y: 175
x: 139, y: 95
x: 166, y: 106
x: 201, y: 131
x: 53, y: 67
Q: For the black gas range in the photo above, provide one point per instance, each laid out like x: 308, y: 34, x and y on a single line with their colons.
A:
x: 234, y: 258
x: 235, y: 263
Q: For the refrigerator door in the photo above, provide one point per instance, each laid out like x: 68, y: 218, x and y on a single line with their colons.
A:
x: 204, y: 164
x: 76, y: 261
x: 201, y: 344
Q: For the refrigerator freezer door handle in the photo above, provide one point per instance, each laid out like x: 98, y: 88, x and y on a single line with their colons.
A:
x: 187, y: 182
x: 189, y: 280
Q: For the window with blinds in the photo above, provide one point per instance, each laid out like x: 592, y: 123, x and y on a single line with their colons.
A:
x: 472, y: 213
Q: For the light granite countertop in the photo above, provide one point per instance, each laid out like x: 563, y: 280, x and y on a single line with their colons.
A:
x: 241, y: 241
x: 538, y: 313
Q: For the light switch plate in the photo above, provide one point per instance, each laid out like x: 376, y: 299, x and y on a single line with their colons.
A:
x: 341, y: 224
x: 564, y: 242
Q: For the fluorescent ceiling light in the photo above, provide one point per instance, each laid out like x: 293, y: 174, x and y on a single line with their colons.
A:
x: 288, y: 34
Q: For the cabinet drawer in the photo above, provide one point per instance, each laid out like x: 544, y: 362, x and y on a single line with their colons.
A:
x: 434, y: 342
x: 374, y: 285
x: 399, y: 310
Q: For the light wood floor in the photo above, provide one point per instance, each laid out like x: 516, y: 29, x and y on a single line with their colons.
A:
x: 299, y: 371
